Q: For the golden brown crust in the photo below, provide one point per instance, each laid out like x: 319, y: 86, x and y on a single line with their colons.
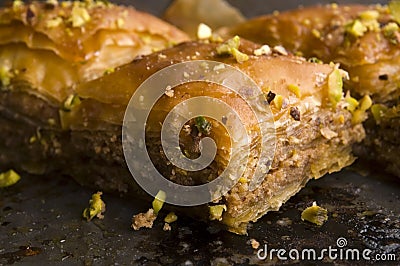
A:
x: 317, y: 144
x: 36, y: 24
x: 272, y: 73
x: 313, y: 136
x: 62, y: 44
x: 325, y: 32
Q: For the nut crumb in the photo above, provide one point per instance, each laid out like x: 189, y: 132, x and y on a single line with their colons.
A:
x: 254, y: 243
x: 143, y: 219
x: 167, y: 227
x: 279, y: 49
x: 263, y: 50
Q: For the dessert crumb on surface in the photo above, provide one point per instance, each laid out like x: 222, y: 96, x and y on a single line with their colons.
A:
x: 141, y: 220
x: 254, y: 243
x: 167, y: 227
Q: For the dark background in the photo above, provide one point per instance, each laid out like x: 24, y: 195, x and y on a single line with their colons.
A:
x: 249, y: 8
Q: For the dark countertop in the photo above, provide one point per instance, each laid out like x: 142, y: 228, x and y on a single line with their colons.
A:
x: 43, y: 215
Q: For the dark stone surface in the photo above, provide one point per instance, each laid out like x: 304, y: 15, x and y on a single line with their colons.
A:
x: 41, y: 221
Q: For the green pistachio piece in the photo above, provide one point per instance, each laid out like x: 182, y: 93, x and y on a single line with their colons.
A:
x: 9, y: 178
x: 315, y: 214
x: 216, y: 212
x: 335, y: 87
x: 96, y: 207
x: 158, y: 201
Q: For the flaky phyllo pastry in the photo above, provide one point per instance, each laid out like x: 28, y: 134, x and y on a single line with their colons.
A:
x: 51, y: 46
x: 63, y: 100
x: 365, y: 40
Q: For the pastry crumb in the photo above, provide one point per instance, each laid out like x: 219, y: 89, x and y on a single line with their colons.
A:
x: 254, y: 243
x: 167, y: 227
x: 141, y: 220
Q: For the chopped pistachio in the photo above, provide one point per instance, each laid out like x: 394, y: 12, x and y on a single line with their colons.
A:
x: 243, y: 180
x: 109, y: 70
x: 371, y: 24
x: 299, y: 53
x: 335, y: 87
x: 239, y: 56
x: 96, y: 207
x: 53, y: 23
x: 51, y: 121
x: 79, y: 16
x: 379, y: 111
x: 365, y: 103
x: 390, y: 31
x: 158, y: 201
x: 66, y: 4
x: 231, y: 47
x: 352, y: 103
x: 9, y: 178
x: 278, y: 101
x: 17, y: 5
x: 203, y: 125
x: 170, y: 218
x: 216, y: 212
x: 359, y: 116
x: 216, y: 38
x: 295, y: 89
x: 71, y: 102
x: 315, y: 214
x: 5, y: 76
x: 356, y: 28
x: 315, y: 60
x: 32, y: 139
x: 316, y: 33
x: 394, y: 8
x: 341, y: 119
x: 120, y: 22
x: 369, y: 15
x: 203, y: 31
x: 69, y: 32
x: 226, y: 47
